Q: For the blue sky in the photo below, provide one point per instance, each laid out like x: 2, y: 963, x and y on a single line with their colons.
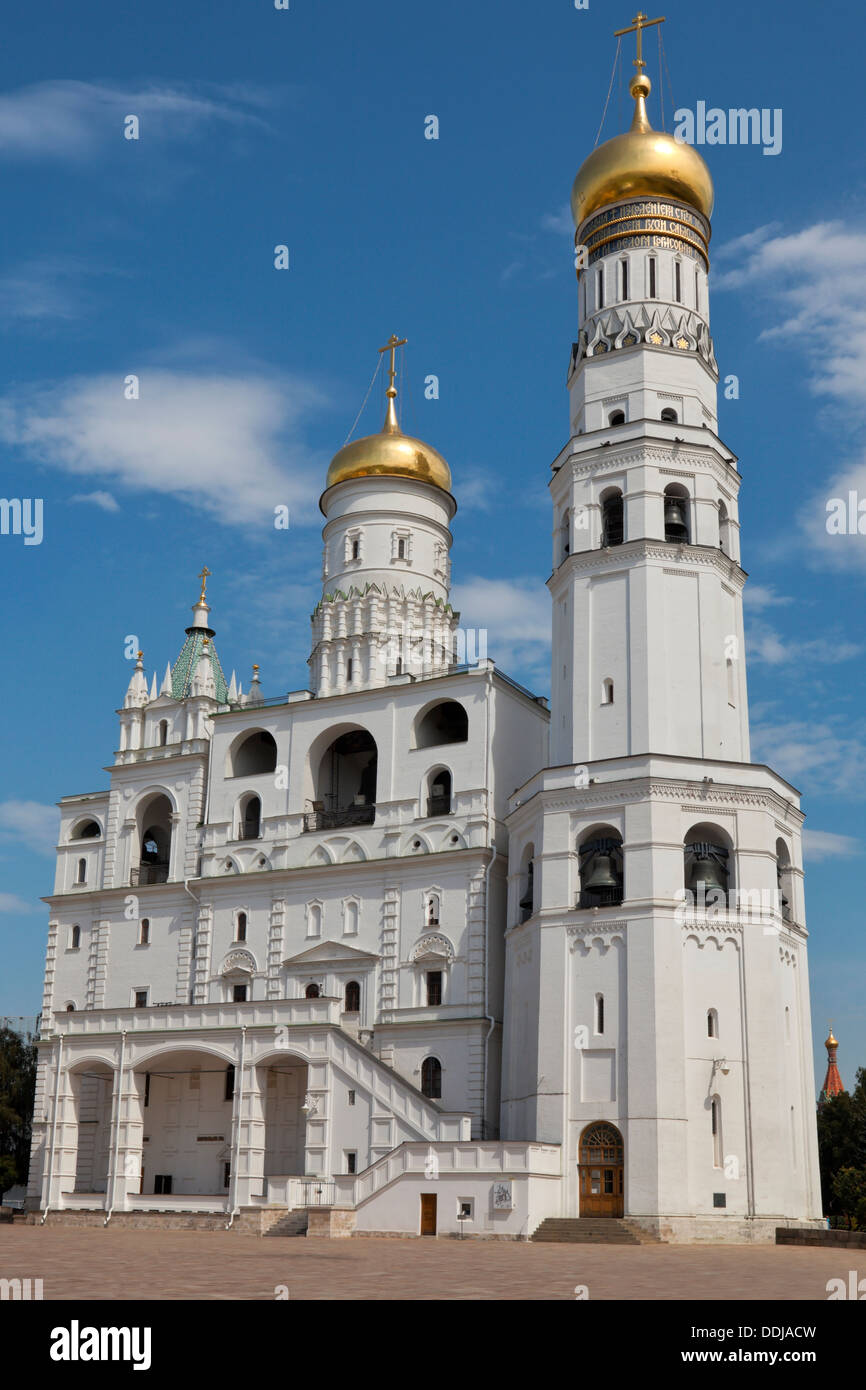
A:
x: 305, y: 127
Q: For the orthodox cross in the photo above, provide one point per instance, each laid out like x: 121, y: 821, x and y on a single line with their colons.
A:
x: 391, y: 346
x: 638, y: 24
x: 203, y: 577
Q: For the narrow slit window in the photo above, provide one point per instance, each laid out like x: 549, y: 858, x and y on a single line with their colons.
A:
x: 678, y: 288
x: 624, y: 265
x: 652, y: 277
x: 601, y: 289
x: 599, y: 1013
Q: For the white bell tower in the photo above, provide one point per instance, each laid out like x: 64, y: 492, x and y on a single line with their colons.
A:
x: 656, y: 1004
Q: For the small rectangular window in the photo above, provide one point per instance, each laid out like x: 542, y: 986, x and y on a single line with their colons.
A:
x: 229, y: 1092
x: 625, y: 279
x: 162, y: 1184
x: 434, y: 986
x: 147, y: 1088
x: 652, y: 277
x: 351, y: 1162
x: 351, y: 1097
x: 678, y: 292
x: 141, y: 998
x: 601, y: 289
x: 239, y: 994
x: 227, y: 1174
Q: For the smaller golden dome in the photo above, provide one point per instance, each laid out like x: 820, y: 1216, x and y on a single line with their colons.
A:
x: 831, y: 1041
x: 390, y: 453
x: 641, y: 163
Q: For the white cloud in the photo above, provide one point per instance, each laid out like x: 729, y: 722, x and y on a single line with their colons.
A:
x: 228, y: 445
x: 815, y: 283
x: 759, y: 596
x: 516, y: 616
x: 68, y: 119
x: 822, y: 759
x: 104, y: 500
x: 561, y: 222
x: 773, y: 649
x: 826, y: 844
x: 30, y: 823
x: 9, y: 902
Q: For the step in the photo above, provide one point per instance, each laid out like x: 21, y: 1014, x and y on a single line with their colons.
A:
x: 294, y: 1223
x: 589, y: 1230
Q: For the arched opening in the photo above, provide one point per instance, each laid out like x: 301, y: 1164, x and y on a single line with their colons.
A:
x: 612, y: 517
x: 86, y: 830
x: 283, y: 1084
x: 447, y: 722
x: 616, y: 417
x: 676, y: 514
x: 155, y: 846
x: 565, y: 535
x: 724, y: 529
x: 353, y: 997
x: 431, y: 1078
x: 431, y: 911
x: 607, y: 692
x: 350, y: 917
x: 669, y: 415
x: 70, y: 1008
x: 599, y: 1014
x: 250, y: 817
x: 255, y: 754
x: 345, y: 783
x: 439, y: 793
x: 600, y: 858
x: 144, y: 932
x: 526, y: 901
x: 241, y: 927
x: 163, y: 732
x: 783, y: 879
x: 712, y: 1023
x: 600, y: 1170
x: 81, y: 872
x: 75, y: 938
x: 707, y: 867
x: 312, y: 992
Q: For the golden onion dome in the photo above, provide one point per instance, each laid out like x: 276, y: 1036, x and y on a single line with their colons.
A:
x: 641, y: 163
x: 389, y: 453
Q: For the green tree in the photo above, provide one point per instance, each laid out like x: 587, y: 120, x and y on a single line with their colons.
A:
x: 842, y: 1146
x: 849, y: 1193
x: 17, y: 1091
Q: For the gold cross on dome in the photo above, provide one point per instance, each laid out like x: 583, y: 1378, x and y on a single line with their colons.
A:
x: 638, y: 24
x: 391, y: 346
x: 204, y: 578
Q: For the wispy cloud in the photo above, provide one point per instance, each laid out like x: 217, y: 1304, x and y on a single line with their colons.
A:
x: 104, y: 500
x: 767, y: 645
x: 815, y: 282
x: 560, y: 222
x: 822, y: 758
x: 73, y: 120
x: 516, y: 616
x: 758, y: 597
x: 10, y: 902
x: 229, y: 445
x: 30, y: 823
x: 826, y: 844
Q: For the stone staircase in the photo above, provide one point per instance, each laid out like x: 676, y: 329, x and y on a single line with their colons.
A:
x: 592, y: 1230
x: 294, y: 1223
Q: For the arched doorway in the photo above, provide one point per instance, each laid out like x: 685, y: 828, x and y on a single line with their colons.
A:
x: 600, y: 1166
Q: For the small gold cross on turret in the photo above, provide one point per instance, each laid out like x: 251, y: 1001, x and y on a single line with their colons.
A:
x: 204, y: 578
x: 391, y: 346
x: 638, y: 24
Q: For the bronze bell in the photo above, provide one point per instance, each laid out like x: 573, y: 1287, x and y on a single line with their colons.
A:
x: 707, y: 871
x: 675, y: 521
x: 602, y: 875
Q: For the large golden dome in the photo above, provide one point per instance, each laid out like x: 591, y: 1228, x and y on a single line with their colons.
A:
x: 641, y: 163
x: 390, y: 452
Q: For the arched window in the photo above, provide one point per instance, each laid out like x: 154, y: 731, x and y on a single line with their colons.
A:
x: 716, y: 1121
x: 601, y: 869
x: 612, y: 518
x: 70, y: 1008
x: 439, y: 795
x: 353, y: 997
x: 87, y: 830
x: 356, y: 548
x: 616, y: 417
x: 712, y: 1023
x: 241, y: 927
x: 527, y: 895
x: 314, y: 919
x: 75, y: 938
x: 144, y: 932
x: 350, y: 917
x: 431, y: 1078
x: 724, y: 529
x: 155, y: 853
x: 257, y: 753
x: 312, y: 992
x: 599, y: 1013
x: 565, y: 535
x: 250, y: 818
x: 163, y: 732
x: 447, y: 722
x: 432, y: 910
x: 401, y: 547
x: 676, y: 514
x: 607, y: 692
x: 669, y: 415
x: 81, y: 876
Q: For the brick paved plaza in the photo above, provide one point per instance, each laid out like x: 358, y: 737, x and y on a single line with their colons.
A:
x: 123, y: 1264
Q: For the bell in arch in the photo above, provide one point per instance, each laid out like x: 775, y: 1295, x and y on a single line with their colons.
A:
x: 708, y: 872
x: 602, y: 874
x: 675, y: 520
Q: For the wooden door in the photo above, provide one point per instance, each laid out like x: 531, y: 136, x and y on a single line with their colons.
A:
x: 601, y: 1171
x: 428, y: 1213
